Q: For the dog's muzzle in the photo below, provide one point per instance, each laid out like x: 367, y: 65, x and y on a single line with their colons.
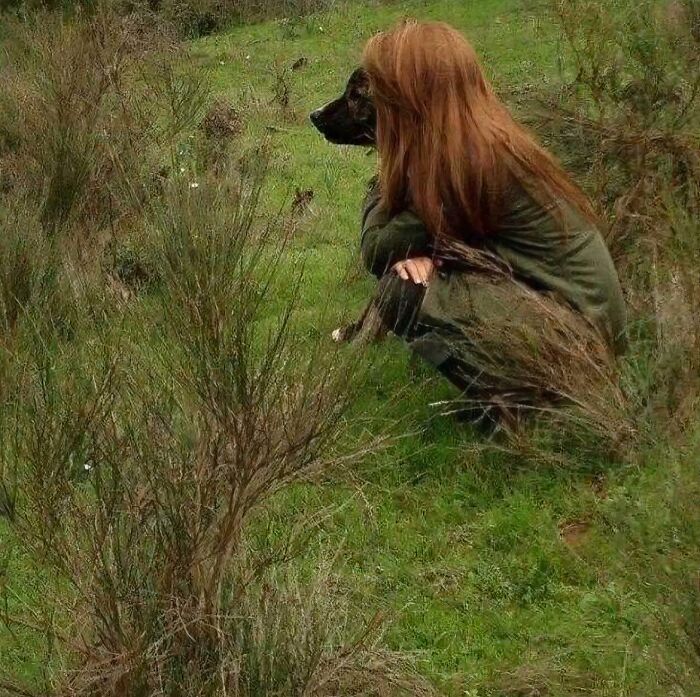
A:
x: 315, y: 117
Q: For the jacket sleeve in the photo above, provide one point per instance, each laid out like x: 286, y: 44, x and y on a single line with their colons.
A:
x: 386, y: 240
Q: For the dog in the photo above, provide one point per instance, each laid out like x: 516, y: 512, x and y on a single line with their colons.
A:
x: 351, y: 119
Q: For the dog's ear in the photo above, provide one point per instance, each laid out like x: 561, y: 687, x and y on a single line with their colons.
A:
x: 358, y: 84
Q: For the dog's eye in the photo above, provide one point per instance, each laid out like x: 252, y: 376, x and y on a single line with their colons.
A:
x: 359, y: 93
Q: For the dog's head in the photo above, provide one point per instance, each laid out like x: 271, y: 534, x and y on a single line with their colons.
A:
x: 352, y: 118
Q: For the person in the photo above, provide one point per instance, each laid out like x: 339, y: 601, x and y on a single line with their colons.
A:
x: 485, y: 248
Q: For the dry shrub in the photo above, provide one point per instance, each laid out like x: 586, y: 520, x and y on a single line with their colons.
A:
x: 219, y: 128
x: 42, y: 281
x: 207, y: 16
x: 221, y: 121
x: 191, y: 19
x: 186, y: 18
x: 24, y: 267
x: 541, y: 678
x: 134, y: 463
x: 93, y: 112
x: 293, y: 629
x: 257, y: 10
x: 80, y: 126
x: 627, y: 123
x: 282, y: 97
x: 562, y: 371
x: 629, y: 119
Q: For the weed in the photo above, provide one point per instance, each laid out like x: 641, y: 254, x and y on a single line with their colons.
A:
x: 282, y: 91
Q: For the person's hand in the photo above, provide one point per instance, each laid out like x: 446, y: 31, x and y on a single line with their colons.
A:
x: 419, y: 269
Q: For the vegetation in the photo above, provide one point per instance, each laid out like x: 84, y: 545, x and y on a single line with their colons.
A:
x: 186, y: 18
x: 200, y: 495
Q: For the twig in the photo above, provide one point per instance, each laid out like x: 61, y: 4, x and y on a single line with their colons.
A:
x: 16, y: 690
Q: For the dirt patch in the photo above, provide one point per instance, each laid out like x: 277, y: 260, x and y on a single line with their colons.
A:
x: 575, y: 532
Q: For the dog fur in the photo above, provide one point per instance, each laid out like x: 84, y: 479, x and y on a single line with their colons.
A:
x: 351, y: 119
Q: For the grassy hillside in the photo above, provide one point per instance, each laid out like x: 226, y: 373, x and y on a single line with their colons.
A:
x: 504, y: 575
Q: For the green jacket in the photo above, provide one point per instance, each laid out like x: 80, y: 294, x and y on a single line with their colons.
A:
x: 563, y: 255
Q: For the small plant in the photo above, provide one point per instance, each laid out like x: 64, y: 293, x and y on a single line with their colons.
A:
x: 221, y: 125
x: 282, y: 90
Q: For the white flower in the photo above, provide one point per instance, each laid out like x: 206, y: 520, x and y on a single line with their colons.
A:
x: 182, y: 170
x: 194, y: 185
x: 247, y: 57
x: 87, y: 467
x: 221, y: 62
x: 320, y: 28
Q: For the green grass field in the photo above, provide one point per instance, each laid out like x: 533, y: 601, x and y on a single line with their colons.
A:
x: 503, y: 576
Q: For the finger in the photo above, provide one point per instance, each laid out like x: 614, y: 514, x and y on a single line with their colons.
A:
x: 422, y: 272
x: 426, y: 269
x: 413, y: 271
x: 400, y: 269
x: 416, y: 271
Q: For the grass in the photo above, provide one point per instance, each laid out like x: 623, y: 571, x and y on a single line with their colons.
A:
x: 505, y: 577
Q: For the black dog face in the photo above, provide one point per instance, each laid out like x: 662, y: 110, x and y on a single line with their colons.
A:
x: 352, y: 118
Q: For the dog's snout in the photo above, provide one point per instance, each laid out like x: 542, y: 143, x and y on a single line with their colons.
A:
x: 315, y: 116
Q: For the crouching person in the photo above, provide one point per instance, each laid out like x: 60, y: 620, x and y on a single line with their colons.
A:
x: 490, y: 260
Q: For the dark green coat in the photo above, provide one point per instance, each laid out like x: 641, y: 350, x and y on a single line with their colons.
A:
x: 563, y: 257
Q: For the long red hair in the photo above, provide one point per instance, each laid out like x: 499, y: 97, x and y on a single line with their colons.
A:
x: 447, y: 145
